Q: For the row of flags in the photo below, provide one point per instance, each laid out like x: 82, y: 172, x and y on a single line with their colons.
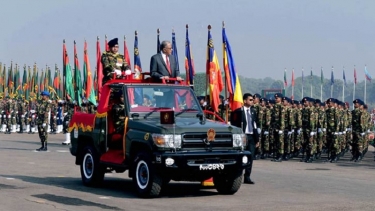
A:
x: 85, y: 84
x: 332, y: 80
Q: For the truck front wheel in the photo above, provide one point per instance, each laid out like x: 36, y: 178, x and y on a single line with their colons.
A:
x: 92, y: 173
x: 147, y: 182
x: 228, y: 183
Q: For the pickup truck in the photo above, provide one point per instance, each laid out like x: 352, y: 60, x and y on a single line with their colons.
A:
x: 165, y: 137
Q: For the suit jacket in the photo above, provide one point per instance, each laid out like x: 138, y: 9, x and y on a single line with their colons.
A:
x: 238, y: 116
x: 158, y: 67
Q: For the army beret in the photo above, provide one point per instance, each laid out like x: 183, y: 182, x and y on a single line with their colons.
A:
x: 278, y: 95
x: 356, y: 101
x: 365, y: 106
x: 272, y: 101
x: 330, y: 100
x: 322, y: 104
x: 305, y: 99
x: 45, y: 93
x: 296, y: 102
x: 257, y: 96
x: 263, y: 99
x: 317, y: 101
x: 113, y: 42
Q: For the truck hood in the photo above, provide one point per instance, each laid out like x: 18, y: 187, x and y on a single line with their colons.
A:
x: 183, y: 125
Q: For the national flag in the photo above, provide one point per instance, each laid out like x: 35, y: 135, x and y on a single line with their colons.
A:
x: 293, y: 77
x: 213, y: 73
x: 343, y: 76
x: 99, y: 67
x: 367, y: 75
x: 189, y: 63
x: 56, y: 81
x: 77, y: 78
x: 332, y: 78
x: 41, y: 82
x: 285, y: 81
x: 321, y: 75
x: 126, y: 53
x: 355, y: 76
x: 138, y: 92
x: 174, y: 48
x: 311, y: 74
x: 69, y: 94
x: 90, y: 92
x: 10, y: 78
x: 232, y: 79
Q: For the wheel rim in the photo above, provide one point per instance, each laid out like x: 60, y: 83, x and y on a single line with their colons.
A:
x: 142, y: 174
x: 88, y: 165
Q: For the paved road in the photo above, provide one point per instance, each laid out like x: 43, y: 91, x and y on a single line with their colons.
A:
x: 34, y: 181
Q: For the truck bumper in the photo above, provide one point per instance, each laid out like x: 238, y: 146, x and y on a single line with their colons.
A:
x: 195, y: 166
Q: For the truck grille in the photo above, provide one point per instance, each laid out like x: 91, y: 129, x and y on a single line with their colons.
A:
x: 196, y: 140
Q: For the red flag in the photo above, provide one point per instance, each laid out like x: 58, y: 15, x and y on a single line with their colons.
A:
x: 126, y: 53
x: 99, y: 67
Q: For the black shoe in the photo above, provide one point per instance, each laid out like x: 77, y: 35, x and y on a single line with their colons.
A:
x: 42, y: 147
x: 257, y: 157
x: 247, y: 180
x: 334, y: 159
x: 278, y: 159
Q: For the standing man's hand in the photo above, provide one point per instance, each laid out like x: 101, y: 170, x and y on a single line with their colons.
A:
x: 165, y: 77
x: 257, y: 144
x: 179, y: 78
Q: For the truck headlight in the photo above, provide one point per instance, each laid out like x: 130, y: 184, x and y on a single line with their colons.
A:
x: 239, y: 140
x: 167, y: 140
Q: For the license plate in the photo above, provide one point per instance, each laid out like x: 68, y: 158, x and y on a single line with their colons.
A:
x: 209, y: 167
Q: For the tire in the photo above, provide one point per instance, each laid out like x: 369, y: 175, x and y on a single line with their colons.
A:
x: 92, y: 173
x: 147, y: 182
x: 228, y: 184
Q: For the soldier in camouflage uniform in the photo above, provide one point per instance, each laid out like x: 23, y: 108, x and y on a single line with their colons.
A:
x: 289, y: 125
x: 332, y: 121
x: 367, y: 123
x: 10, y: 110
x: 119, y: 113
x: 113, y: 62
x: 259, y: 112
x: 348, y: 135
x: 265, y: 131
x: 297, y: 136
x: 358, y: 130
x: 42, y: 122
x: 321, y: 127
x: 68, y: 112
x: 308, y: 129
x: 53, y: 118
x: 2, y: 115
x: 20, y: 114
x: 278, y: 126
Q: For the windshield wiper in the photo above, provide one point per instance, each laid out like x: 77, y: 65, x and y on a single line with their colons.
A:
x: 184, y: 110
x: 153, y: 110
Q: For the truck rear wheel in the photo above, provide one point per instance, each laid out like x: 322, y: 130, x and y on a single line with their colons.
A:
x: 228, y: 184
x: 92, y: 173
x: 148, y: 183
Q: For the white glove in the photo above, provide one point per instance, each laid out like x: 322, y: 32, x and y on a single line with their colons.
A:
x: 324, y: 130
x: 311, y: 133
x: 319, y: 130
x: 8, y: 116
x: 362, y: 134
x: 348, y: 129
x: 299, y: 131
x: 118, y: 64
x: 259, y: 130
x: 344, y: 132
x: 5, y: 116
x: 22, y: 116
x: 118, y: 72
x: 340, y: 133
x: 289, y: 133
x: 16, y: 112
x: 266, y: 132
x: 25, y: 113
x: 226, y: 102
x: 204, y: 104
x: 336, y: 133
x: 292, y: 131
x: 32, y: 111
x: 44, y: 124
x: 65, y: 113
x: 14, y: 117
x: 368, y: 130
x: 280, y: 132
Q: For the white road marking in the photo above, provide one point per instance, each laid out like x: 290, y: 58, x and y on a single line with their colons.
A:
x: 9, y: 178
x: 62, y: 150
x: 103, y: 197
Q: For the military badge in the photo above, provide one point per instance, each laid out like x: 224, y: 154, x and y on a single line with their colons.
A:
x: 167, y: 117
x: 147, y: 135
x: 211, y: 134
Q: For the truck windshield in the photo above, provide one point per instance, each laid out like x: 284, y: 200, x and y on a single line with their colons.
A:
x: 149, y: 98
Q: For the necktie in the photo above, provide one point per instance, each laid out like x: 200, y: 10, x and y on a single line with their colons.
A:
x: 168, y: 65
x: 249, y: 121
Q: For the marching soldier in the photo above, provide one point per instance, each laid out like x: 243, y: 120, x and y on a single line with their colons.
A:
x: 113, y: 62
x: 332, y: 121
x: 278, y: 125
x: 20, y: 114
x: 297, y: 128
x: 349, y: 127
x: 42, y: 122
x: 52, y: 122
x: 321, y: 127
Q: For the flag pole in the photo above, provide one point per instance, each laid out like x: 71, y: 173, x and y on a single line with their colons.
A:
x: 293, y: 85
x: 205, y: 97
x: 285, y: 81
x: 331, y: 82
x: 225, y: 84
x: 311, y: 81
x: 365, y: 85
x: 302, y: 83
x: 343, y: 87
x: 354, y: 84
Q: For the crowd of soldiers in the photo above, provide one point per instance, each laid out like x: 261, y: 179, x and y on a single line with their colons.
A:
x: 21, y: 116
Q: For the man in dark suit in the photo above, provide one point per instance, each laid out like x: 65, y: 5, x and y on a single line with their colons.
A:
x: 246, y: 118
x: 163, y: 65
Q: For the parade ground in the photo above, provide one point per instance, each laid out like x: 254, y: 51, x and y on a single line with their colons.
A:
x: 34, y: 181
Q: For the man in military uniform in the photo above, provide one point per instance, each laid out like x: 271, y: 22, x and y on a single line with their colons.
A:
x: 259, y: 112
x: 52, y: 122
x: 68, y: 113
x: 9, y: 110
x: 42, y: 122
x: 119, y: 113
x: 349, y: 127
x: 332, y: 120
x: 278, y: 125
x: 113, y: 62
x: 308, y: 126
x: 265, y: 128
x: 20, y: 114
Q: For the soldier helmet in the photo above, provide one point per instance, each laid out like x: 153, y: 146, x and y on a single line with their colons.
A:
x: 317, y: 101
x: 45, y: 93
x: 278, y: 95
x: 295, y: 102
x: 256, y: 95
x: 305, y: 99
x: 359, y: 101
x: 113, y: 42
